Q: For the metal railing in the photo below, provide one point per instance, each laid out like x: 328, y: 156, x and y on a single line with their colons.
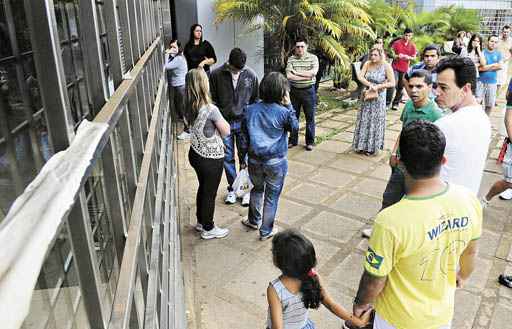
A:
x: 149, y: 289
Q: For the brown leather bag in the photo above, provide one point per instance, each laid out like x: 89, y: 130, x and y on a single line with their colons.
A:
x: 370, y: 94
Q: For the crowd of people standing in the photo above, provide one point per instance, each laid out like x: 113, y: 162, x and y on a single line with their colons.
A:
x: 410, y: 264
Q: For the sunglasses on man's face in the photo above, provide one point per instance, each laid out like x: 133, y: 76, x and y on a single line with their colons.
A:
x: 300, y: 46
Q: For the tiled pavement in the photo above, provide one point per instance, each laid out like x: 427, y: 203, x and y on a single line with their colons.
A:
x: 330, y: 194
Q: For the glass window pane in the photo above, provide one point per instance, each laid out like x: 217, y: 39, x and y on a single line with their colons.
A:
x: 60, y: 17
x: 72, y: 57
x: 72, y: 16
x: 20, y: 23
x: 57, y: 289
x: 67, y: 60
x: 5, y: 49
x: 103, y: 238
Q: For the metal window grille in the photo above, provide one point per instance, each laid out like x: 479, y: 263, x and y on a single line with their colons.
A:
x: 24, y: 144
x: 68, y: 23
x: 129, y: 192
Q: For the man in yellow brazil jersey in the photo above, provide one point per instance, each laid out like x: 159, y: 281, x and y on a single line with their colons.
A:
x: 424, y: 246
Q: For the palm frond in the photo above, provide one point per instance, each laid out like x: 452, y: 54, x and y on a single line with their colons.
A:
x: 244, y: 11
x: 326, y: 25
x: 312, y: 9
x: 333, y: 49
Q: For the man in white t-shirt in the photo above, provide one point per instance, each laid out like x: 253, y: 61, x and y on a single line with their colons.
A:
x: 467, y: 129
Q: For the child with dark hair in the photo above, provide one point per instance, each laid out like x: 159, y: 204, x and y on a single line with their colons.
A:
x: 299, y: 287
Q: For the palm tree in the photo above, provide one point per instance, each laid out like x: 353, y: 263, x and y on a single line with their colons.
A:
x: 324, y: 22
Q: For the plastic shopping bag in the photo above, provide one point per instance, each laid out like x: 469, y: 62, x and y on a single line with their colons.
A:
x: 242, y: 183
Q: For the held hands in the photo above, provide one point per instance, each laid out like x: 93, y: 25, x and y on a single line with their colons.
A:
x: 361, y: 317
x: 359, y: 310
x: 365, y: 317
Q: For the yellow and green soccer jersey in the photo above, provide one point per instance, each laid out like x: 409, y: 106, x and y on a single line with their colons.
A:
x: 417, y: 244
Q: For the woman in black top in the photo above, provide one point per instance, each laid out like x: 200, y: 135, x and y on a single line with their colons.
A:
x: 199, y: 52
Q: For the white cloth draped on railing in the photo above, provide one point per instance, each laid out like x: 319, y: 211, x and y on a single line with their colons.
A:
x: 30, y: 226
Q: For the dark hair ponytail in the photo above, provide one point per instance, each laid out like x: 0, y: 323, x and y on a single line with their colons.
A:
x: 295, y: 256
x: 311, y: 291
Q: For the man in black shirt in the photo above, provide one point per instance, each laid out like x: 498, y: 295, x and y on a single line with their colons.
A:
x: 234, y: 86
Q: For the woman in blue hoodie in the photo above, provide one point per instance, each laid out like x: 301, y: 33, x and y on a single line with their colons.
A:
x: 266, y: 125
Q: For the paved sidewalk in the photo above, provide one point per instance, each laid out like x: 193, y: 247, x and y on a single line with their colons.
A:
x: 330, y: 194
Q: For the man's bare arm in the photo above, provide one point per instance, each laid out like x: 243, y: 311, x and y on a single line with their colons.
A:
x: 508, y: 123
x: 370, y: 287
x: 490, y: 67
x: 467, y: 262
x: 295, y: 77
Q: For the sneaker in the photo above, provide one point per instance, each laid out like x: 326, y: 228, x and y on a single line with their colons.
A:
x: 215, y: 233
x: 230, y: 198
x: 290, y: 145
x: 184, y: 136
x: 367, y: 233
x: 246, y: 199
x: 484, y: 202
x: 506, y: 195
x: 309, y: 147
x: 394, y: 108
x: 505, y: 280
x: 268, y: 236
x: 246, y: 222
x: 198, y: 227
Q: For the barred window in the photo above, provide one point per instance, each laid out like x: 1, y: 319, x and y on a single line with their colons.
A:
x: 24, y: 144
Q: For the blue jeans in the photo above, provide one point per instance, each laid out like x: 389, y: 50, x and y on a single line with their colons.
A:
x: 267, y: 177
x: 395, y: 189
x: 229, y: 158
x: 304, y: 99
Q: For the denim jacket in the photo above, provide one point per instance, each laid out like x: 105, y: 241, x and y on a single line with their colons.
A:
x: 266, y: 128
x: 231, y: 101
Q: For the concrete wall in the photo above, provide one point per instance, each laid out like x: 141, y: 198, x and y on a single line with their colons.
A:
x: 226, y: 36
x: 186, y: 15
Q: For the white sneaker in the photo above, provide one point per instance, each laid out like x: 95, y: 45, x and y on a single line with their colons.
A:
x: 230, y: 198
x: 215, y: 233
x: 271, y: 234
x: 184, y: 136
x: 246, y: 199
x: 484, y: 202
x: 506, y: 195
x: 366, y: 233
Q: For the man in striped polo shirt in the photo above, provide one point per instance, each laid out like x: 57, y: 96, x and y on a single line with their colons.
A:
x: 301, y: 72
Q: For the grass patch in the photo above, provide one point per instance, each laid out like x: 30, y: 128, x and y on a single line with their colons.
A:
x: 333, y: 100
x: 330, y: 100
x: 323, y: 138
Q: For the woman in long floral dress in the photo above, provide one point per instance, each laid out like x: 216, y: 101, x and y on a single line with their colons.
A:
x: 376, y: 75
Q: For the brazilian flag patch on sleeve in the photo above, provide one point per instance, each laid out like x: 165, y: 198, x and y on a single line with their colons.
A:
x: 373, y: 259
